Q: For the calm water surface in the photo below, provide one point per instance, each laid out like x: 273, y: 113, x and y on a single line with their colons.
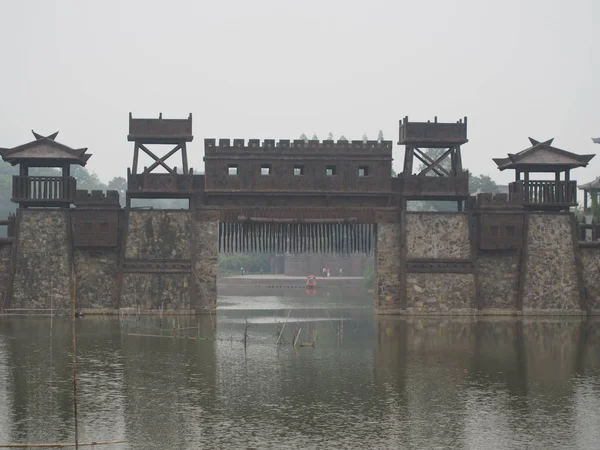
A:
x: 370, y: 382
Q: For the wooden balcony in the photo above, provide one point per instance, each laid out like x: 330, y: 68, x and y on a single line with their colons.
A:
x: 43, y: 191
x: 161, y: 185
x: 545, y: 195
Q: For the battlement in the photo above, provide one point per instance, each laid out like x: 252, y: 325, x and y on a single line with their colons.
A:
x: 433, y: 134
x: 498, y: 201
x: 97, y: 199
x: 212, y: 146
x: 160, y: 131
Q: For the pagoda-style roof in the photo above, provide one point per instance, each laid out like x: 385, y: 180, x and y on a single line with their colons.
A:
x: 543, y: 157
x: 44, y: 151
x: 591, y: 185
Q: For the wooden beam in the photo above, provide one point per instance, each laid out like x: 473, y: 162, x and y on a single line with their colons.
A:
x: 427, y: 161
x: 156, y: 158
x: 164, y: 158
x: 436, y: 163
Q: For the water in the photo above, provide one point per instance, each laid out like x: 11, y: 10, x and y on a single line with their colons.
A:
x: 373, y: 382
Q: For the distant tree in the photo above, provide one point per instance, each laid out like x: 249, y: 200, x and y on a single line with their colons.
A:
x: 482, y: 183
x: 365, y: 138
x: 314, y: 137
x: 380, y: 136
x: 330, y: 136
x: 343, y: 138
x: 86, y: 179
x: 118, y: 184
x: 303, y: 137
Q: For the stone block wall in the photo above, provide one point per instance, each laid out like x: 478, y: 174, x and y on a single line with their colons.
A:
x: 96, y: 278
x: 43, y: 268
x: 154, y: 291
x: 498, y: 277
x: 388, y: 268
x: 157, y: 234
x: 205, y: 265
x: 5, y: 251
x: 551, y: 283
x: 441, y: 293
x: 590, y: 258
x: 437, y: 236
x: 158, y: 237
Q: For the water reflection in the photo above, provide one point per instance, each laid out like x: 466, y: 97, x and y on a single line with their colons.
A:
x: 382, y: 382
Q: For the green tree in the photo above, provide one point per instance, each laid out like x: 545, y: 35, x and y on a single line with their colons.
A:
x: 118, y: 184
x: 380, y: 136
x: 330, y: 136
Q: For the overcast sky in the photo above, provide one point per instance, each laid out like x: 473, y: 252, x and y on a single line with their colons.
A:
x: 275, y: 69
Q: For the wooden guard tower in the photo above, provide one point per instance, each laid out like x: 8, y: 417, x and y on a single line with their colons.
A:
x: 542, y: 157
x: 442, y: 178
x: 149, y: 184
x: 44, y: 191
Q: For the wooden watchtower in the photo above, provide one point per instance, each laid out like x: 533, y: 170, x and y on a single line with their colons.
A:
x: 175, y: 133
x: 441, y: 177
x: 44, y: 191
x: 549, y: 195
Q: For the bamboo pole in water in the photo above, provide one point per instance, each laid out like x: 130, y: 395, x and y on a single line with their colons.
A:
x: 74, y: 351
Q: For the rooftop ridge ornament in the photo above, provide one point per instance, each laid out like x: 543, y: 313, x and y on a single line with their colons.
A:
x: 50, y: 136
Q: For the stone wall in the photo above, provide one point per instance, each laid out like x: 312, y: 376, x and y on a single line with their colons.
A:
x: 207, y: 251
x: 388, y: 266
x: 442, y: 293
x: 43, y: 269
x: 153, y: 291
x: 5, y: 251
x: 437, y: 236
x: 498, y: 277
x: 159, y: 234
x: 96, y: 279
x: 590, y: 258
x: 551, y: 283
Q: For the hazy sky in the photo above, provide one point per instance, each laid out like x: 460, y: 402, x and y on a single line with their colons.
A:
x: 275, y: 69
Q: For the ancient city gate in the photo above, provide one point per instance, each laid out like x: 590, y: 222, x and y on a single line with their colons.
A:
x: 294, y: 197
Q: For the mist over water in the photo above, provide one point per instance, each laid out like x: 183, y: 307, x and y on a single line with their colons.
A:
x: 376, y: 382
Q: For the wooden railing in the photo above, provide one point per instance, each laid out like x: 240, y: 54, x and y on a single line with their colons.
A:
x: 558, y: 193
x: 43, y: 190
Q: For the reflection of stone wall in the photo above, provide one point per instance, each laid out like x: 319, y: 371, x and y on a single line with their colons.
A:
x: 551, y: 279
x: 159, y: 234
x: 591, y: 275
x: 43, y: 274
x: 96, y: 278
x: 439, y: 236
x: 151, y: 291
x: 498, y: 275
x: 207, y: 250
x: 388, y: 267
x: 447, y: 293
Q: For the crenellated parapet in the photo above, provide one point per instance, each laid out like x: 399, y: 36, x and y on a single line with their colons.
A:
x: 97, y: 199
x: 266, y: 145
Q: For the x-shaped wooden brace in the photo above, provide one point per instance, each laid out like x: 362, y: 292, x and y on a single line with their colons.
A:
x: 431, y: 164
x: 159, y: 161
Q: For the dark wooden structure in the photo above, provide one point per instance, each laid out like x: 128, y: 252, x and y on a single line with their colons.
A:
x: 44, y: 191
x: 175, y: 133
x: 550, y: 195
x: 95, y: 219
x: 500, y: 222
x: 442, y: 178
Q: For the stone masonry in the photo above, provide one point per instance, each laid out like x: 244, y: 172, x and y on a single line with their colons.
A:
x: 498, y: 276
x: 437, y: 236
x: 388, y: 268
x: 205, y: 267
x: 551, y: 283
x: 591, y: 275
x: 43, y: 270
